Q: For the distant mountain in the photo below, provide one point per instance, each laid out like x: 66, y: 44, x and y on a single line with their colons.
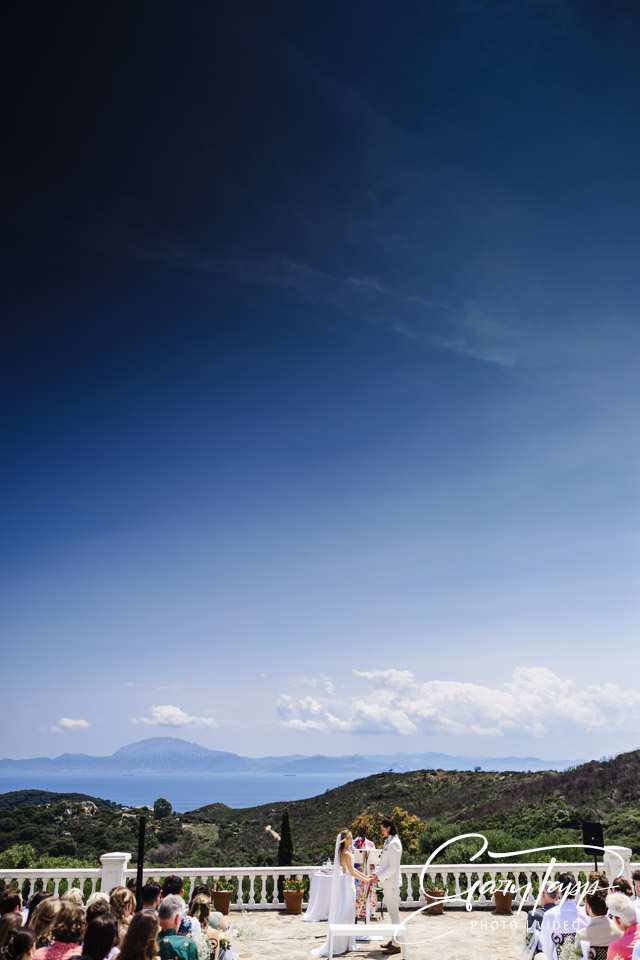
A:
x: 170, y: 755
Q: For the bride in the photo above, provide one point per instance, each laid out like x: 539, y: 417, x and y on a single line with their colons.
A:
x: 342, y: 906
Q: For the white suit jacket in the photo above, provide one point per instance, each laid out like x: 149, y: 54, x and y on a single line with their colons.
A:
x: 389, y: 866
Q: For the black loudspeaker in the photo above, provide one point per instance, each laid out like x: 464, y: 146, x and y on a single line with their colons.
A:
x: 592, y: 835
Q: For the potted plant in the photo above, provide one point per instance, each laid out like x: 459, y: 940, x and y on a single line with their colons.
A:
x: 293, y: 890
x: 221, y: 892
x: 503, y: 898
x: 435, y: 894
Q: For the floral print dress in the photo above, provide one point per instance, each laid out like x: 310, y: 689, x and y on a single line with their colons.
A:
x: 359, y: 849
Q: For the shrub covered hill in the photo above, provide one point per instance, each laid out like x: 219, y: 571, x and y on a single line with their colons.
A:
x: 514, y: 810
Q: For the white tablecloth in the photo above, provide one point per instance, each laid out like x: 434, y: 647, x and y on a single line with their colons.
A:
x: 319, y: 897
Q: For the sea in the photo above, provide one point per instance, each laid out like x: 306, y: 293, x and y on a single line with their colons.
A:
x: 182, y: 791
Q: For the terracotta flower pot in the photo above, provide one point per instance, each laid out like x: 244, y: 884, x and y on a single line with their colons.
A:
x: 503, y: 902
x: 293, y: 901
x: 436, y: 897
x: 222, y: 900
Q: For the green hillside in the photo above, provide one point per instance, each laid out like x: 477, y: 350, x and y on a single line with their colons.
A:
x: 513, y: 809
x: 520, y: 809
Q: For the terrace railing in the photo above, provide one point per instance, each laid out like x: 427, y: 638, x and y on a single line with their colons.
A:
x: 256, y: 888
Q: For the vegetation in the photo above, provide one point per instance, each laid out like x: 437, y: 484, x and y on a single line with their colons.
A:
x: 162, y: 808
x: 513, y: 810
x: 285, y: 847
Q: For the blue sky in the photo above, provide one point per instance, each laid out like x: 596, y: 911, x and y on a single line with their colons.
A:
x: 322, y: 362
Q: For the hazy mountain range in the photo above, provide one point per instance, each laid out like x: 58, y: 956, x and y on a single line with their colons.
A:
x: 169, y: 755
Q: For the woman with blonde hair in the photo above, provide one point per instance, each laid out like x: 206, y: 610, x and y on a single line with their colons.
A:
x: 33, y: 903
x: 42, y: 920
x: 200, y: 908
x: 73, y: 895
x: 123, y: 906
x: 67, y: 931
x: 142, y: 937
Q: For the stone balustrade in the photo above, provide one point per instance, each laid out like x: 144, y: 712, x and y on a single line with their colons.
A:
x: 31, y: 880
x: 256, y: 888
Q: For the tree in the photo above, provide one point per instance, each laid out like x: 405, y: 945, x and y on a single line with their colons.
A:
x: 285, y: 847
x: 20, y: 856
x: 409, y: 828
x: 162, y: 808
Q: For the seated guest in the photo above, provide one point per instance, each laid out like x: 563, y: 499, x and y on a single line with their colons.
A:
x: 10, y: 901
x: 42, y: 920
x: 21, y: 945
x: 622, y: 912
x: 100, y: 937
x: 599, y: 881
x: 142, y: 937
x: 635, y: 876
x: 217, y: 921
x: 99, y: 908
x: 98, y: 896
x: 200, y: 908
x: 548, y: 899
x: 562, y: 921
x: 150, y: 895
x: 171, y: 945
x: 66, y: 933
x: 73, y: 895
x: 600, y: 931
x: 33, y: 903
x: 8, y: 923
x: 123, y: 906
x: 174, y: 885
x: 622, y: 885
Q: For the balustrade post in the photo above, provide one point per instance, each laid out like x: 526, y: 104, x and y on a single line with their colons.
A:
x: 239, y: 900
x: 612, y: 866
x: 263, y: 888
x: 409, y: 877
x: 113, y: 868
x: 276, y: 892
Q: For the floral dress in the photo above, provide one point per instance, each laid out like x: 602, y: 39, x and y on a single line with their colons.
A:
x: 359, y: 849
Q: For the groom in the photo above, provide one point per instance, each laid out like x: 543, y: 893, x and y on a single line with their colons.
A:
x: 388, y: 873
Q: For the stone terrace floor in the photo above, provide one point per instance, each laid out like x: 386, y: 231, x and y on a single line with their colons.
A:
x: 479, y: 935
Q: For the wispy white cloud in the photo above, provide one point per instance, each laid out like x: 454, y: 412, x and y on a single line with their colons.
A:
x: 535, y: 702
x: 315, y: 682
x: 132, y: 683
x: 167, y: 715
x: 68, y: 723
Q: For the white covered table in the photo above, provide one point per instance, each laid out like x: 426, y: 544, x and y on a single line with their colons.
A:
x: 319, y: 897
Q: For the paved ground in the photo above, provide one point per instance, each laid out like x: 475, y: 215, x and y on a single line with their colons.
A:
x: 479, y: 935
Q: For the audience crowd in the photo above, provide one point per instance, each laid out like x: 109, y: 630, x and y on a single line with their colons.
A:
x: 109, y: 925
x: 605, y: 927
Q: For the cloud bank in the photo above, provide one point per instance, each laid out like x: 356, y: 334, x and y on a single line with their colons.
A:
x: 535, y: 702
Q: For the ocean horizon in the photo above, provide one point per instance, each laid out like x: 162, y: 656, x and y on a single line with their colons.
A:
x: 185, y: 793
